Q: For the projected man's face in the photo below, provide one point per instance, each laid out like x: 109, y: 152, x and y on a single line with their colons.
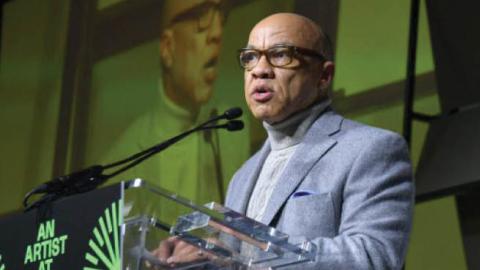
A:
x: 189, y: 49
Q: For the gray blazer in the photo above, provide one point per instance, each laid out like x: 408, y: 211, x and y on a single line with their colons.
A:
x: 348, y: 188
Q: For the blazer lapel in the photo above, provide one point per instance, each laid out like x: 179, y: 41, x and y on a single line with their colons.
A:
x: 316, y: 143
x: 245, y: 188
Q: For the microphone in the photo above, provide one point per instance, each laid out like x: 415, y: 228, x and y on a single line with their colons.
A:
x: 235, y: 125
x: 229, y: 114
x: 232, y: 125
x: 233, y: 113
x: 91, y: 177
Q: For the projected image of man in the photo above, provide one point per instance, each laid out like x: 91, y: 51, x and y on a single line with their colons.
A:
x: 190, y: 40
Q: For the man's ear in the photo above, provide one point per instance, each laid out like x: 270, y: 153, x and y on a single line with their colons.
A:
x: 167, y: 48
x: 328, y: 70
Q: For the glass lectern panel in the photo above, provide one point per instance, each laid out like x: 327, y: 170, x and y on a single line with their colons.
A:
x: 156, y: 220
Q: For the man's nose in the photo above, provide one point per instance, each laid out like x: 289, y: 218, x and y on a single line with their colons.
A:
x: 263, y: 69
x: 215, y: 30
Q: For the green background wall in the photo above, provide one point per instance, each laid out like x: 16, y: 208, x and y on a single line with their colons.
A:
x: 370, y: 54
x: 371, y: 51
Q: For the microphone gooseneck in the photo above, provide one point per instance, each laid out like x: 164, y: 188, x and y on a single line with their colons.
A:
x: 91, y: 177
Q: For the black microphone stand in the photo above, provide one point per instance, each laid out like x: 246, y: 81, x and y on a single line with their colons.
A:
x: 91, y: 177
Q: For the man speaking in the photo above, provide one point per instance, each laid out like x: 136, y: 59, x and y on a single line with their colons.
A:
x: 344, y: 186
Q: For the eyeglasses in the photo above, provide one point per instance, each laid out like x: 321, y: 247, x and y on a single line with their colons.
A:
x: 203, y: 14
x: 277, y: 56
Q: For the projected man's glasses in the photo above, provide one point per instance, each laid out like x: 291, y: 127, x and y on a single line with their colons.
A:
x: 277, y: 56
x: 203, y: 14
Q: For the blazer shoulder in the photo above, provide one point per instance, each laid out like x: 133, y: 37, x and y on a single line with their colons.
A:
x: 356, y: 137
x: 362, y: 131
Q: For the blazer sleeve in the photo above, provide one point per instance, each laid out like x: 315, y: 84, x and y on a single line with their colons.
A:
x: 376, y: 212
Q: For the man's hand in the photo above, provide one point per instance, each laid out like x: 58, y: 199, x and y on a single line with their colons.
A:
x: 174, y: 251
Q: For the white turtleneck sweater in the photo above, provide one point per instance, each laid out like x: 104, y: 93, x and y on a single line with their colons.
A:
x: 284, y: 137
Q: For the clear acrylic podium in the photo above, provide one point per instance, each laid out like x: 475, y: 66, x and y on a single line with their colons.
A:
x: 225, y: 239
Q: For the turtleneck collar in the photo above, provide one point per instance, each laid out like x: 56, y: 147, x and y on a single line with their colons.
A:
x: 290, y: 131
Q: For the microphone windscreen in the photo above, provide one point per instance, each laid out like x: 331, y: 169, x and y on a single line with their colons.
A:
x: 235, y: 125
x: 233, y: 113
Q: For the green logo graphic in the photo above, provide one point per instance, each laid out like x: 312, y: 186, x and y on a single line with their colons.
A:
x: 105, y: 245
x: 47, y: 247
x: 2, y: 265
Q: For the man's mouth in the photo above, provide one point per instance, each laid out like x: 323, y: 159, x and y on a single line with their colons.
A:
x: 262, y: 94
x: 211, y: 63
x: 210, y: 70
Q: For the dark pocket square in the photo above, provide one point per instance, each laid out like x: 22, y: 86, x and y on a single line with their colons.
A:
x: 302, y: 193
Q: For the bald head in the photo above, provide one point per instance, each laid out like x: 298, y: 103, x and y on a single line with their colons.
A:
x: 278, y: 85
x: 299, y: 28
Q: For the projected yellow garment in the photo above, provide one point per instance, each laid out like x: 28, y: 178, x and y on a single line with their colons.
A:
x: 187, y: 168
